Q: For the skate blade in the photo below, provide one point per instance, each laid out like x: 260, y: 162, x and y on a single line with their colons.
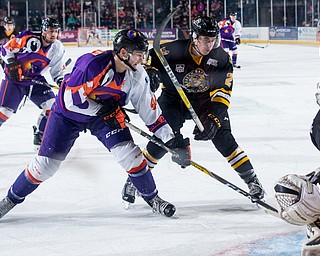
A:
x: 36, y: 148
x: 125, y: 204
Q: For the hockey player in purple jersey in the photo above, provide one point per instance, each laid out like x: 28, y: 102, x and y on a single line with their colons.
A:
x: 91, y: 98
x: 230, y: 36
x: 26, y: 57
x: 205, y: 73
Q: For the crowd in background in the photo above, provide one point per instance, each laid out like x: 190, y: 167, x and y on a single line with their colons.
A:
x: 148, y: 17
x: 108, y: 14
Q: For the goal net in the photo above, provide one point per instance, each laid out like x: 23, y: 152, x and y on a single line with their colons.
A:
x: 93, y: 36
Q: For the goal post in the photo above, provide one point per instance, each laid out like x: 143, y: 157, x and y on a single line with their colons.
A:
x: 92, y: 36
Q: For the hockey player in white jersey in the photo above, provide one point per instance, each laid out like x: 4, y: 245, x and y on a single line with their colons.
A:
x: 91, y: 98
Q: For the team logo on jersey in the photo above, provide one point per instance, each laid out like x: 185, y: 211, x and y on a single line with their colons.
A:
x: 32, y: 45
x: 212, y: 62
x: 164, y: 51
x: 180, y: 68
x: 196, y: 81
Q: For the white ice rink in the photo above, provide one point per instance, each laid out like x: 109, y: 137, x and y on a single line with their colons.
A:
x: 79, y: 213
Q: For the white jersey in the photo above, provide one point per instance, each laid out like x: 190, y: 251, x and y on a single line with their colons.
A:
x: 237, y: 29
x: 33, y: 57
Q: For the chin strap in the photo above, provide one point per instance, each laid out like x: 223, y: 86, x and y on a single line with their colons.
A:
x: 126, y: 61
x: 196, y: 49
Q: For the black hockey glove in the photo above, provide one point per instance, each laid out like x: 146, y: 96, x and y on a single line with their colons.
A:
x: 59, y: 81
x: 211, y: 125
x: 153, y: 74
x: 15, y: 71
x: 237, y: 41
x: 113, y: 115
x: 182, y: 148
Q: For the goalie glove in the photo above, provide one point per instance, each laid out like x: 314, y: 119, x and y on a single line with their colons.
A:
x: 298, y: 199
x: 113, y: 114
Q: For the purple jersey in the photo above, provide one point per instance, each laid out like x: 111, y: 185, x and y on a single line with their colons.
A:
x: 33, y: 56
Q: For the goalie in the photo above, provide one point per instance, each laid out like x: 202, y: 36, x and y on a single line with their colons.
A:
x: 94, y: 36
x: 298, y: 197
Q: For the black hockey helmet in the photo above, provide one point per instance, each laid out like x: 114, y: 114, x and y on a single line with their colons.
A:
x: 50, y: 23
x: 130, y: 39
x: 204, y: 26
x: 233, y: 14
x: 8, y: 20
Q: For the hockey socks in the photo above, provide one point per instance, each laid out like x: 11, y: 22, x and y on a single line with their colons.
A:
x: 22, y: 187
x: 144, y: 182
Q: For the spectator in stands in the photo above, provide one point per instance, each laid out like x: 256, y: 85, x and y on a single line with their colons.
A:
x: 71, y: 22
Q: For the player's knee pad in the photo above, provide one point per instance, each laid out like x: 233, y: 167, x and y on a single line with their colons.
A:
x: 43, y: 168
x: 129, y: 156
x: 5, y: 114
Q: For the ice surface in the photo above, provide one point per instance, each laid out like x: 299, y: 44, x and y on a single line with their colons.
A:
x: 78, y: 212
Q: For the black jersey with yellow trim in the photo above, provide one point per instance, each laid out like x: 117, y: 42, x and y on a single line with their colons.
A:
x: 207, y: 81
x: 5, y: 37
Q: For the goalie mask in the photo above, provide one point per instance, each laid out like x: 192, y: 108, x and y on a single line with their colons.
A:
x: 298, y: 199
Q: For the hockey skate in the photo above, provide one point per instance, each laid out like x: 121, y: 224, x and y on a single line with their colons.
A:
x: 161, y: 206
x: 128, y: 194
x: 256, y: 190
x: 5, y: 206
x: 236, y: 66
x: 37, y: 138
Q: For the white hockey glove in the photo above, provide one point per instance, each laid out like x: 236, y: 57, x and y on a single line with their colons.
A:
x: 318, y: 93
x: 298, y: 199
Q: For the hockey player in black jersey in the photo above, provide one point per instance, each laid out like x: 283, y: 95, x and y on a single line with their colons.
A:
x: 205, y: 72
x: 7, y: 32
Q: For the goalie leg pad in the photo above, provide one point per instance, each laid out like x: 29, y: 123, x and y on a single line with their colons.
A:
x: 311, y: 247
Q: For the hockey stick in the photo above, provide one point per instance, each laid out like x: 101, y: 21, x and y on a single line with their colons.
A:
x: 259, y: 46
x: 156, y: 46
x: 53, y: 86
x: 268, y: 208
x: 45, y: 83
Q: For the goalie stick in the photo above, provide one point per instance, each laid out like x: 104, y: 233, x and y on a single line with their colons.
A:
x: 156, y: 46
x: 267, y: 208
